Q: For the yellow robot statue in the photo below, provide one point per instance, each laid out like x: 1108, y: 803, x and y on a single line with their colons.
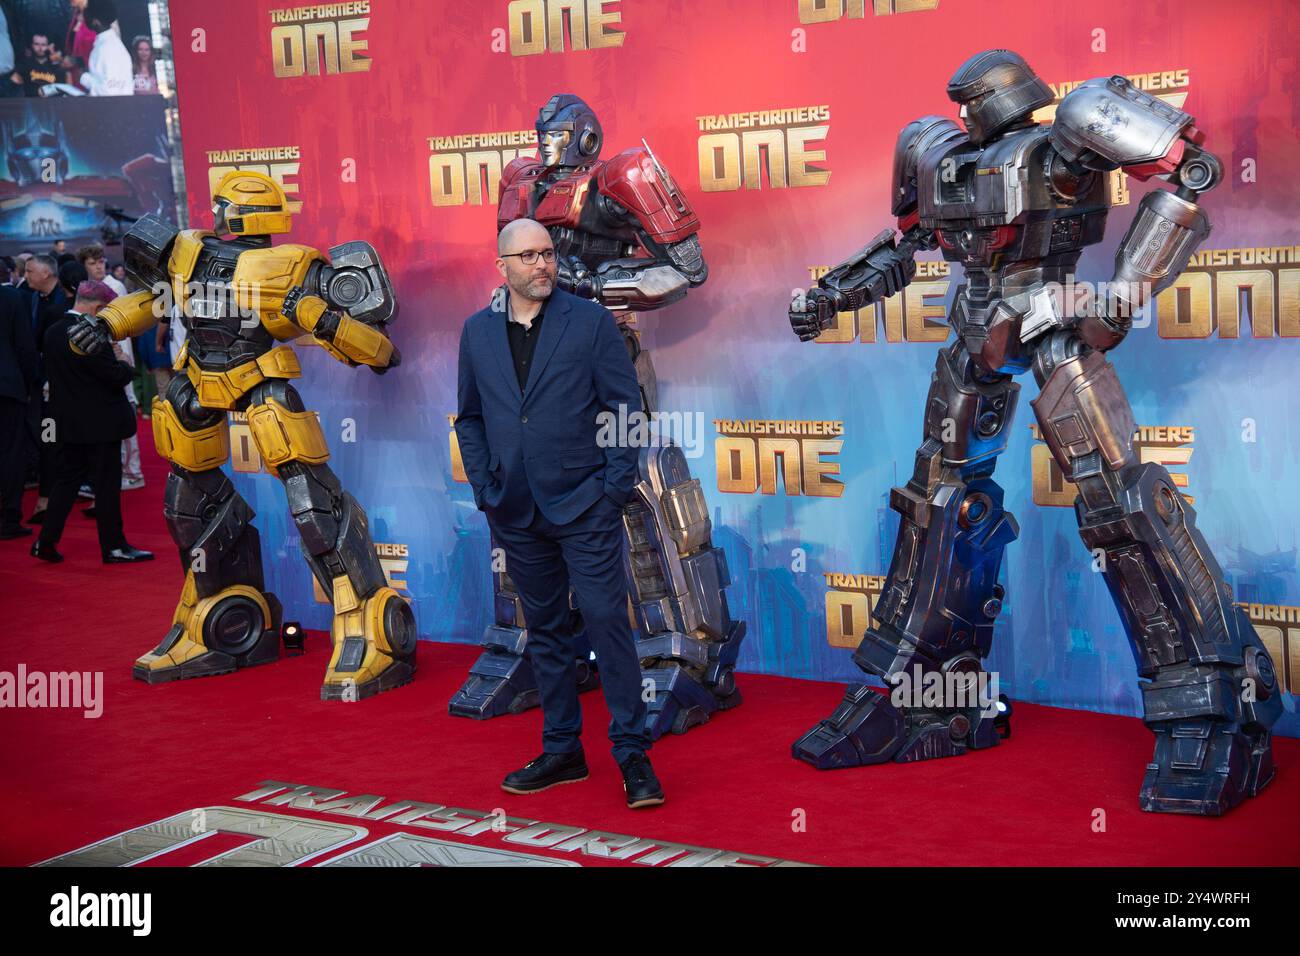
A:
x: 240, y: 297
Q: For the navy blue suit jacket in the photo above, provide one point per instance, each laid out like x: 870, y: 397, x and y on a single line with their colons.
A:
x: 539, y: 446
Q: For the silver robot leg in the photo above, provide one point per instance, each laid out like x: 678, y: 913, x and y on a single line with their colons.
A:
x: 935, y: 619
x: 501, y: 681
x: 688, y: 642
x: 1210, y: 693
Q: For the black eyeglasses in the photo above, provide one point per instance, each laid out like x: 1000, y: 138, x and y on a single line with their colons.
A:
x: 529, y: 257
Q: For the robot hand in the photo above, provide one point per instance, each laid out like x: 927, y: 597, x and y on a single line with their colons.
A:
x: 291, y: 299
x: 87, y: 335
x: 394, y: 360
x: 573, y: 276
x: 811, y: 312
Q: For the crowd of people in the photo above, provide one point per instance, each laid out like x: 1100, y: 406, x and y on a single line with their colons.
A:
x: 68, y: 421
x: 90, y: 59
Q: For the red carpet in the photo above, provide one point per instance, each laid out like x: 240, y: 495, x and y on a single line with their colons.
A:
x: 731, y: 785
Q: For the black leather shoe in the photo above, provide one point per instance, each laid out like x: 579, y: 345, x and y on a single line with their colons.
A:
x: 17, y: 531
x: 640, y: 782
x: 46, y: 552
x: 126, y: 555
x: 547, y: 771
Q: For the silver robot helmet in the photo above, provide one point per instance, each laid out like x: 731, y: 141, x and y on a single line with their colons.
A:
x: 568, y: 133
x: 997, y: 90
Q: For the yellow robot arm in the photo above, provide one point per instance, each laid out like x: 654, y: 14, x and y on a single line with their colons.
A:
x: 349, y: 341
x: 129, y: 315
x: 123, y: 318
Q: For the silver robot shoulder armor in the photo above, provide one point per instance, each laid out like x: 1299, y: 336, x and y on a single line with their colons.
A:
x: 146, y: 249
x: 916, y: 138
x: 1107, y: 123
x: 357, y: 282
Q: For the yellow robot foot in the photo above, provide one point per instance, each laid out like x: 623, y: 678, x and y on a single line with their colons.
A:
x: 374, y: 645
x: 236, y: 627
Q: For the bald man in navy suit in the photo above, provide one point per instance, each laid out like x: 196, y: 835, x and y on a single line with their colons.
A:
x: 537, y: 368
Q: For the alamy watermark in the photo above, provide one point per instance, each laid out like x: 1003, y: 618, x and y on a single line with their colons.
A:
x: 634, y: 428
x: 74, y: 908
x: 211, y: 300
x: 79, y: 690
x: 936, y: 690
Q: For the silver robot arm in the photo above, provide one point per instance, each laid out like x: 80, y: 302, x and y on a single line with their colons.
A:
x: 639, y: 284
x: 1109, y: 124
x: 878, y: 270
x: 883, y: 266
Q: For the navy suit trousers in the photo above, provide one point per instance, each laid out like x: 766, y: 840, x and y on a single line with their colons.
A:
x: 543, y: 559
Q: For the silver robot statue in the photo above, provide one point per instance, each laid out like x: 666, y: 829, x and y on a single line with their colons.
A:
x: 626, y: 236
x: 1014, y: 202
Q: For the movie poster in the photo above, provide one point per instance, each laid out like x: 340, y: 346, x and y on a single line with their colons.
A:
x: 81, y: 169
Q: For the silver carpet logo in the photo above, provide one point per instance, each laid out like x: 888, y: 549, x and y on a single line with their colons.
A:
x: 517, y: 832
x: 75, y: 908
x: 281, y: 839
x: 83, y: 690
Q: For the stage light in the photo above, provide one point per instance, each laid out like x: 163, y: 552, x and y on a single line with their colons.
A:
x: 1002, y: 722
x: 293, y: 638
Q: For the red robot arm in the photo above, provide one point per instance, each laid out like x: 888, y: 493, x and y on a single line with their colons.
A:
x: 637, y: 182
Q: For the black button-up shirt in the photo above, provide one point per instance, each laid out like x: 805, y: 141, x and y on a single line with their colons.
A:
x: 523, y: 342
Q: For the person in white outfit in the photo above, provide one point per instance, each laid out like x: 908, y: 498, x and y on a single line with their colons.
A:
x: 109, y: 72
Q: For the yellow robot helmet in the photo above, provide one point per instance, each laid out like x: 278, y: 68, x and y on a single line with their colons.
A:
x: 247, y: 203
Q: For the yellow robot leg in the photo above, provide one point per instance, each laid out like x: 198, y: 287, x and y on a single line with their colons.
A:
x: 374, y: 632
x: 226, y: 619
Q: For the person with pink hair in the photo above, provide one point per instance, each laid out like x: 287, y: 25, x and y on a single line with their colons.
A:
x: 80, y: 41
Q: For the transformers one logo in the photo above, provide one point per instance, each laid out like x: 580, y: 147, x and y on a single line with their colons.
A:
x: 751, y: 455
x: 850, y: 599
x: 467, y: 168
x: 271, y: 833
x: 320, y: 38
x: 539, y: 26
x: 917, y: 314
x: 741, y: 150
x: 279, y: 162
x: 825, y: 11
x: 1168, y: 445
x: 1220, y: 287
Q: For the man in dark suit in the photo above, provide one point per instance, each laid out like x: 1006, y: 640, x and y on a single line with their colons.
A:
x: 17, y: 384
x: 91, y: 418
x: 537, y: 368
x: 41, y: 294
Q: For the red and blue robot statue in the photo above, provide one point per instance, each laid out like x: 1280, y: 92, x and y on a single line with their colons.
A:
x: 625, y: 236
